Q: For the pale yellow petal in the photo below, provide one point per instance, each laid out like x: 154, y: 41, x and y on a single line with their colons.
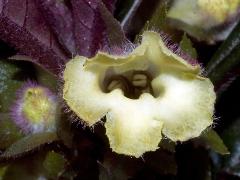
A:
x: 82, y: 92
x: 131, y: 126
x: 186, y: 106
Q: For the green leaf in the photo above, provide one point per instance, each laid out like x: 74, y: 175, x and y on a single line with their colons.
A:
x: 8, y: 85
x: 7, y: 95
x: 158, y: 19
x: 54, y: 165
x: 155, y: 161
x: 231, y: 137
x: 187, y: 47
x: 2, y: 172
x: 226, y: 57
x: 7, y: 70
x: 64, y: 130
x: 214, y: 141
x: 26, y: 169
x: 68, y: 174
x: 103, y: 173
x: 46, y: 78
x: 117, y: 167
x: 9, y: 132
x: 29, y: 144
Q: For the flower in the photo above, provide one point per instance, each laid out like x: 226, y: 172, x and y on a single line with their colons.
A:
x: 205, y: 19
x: 35, y: 109
x: 144, y: 94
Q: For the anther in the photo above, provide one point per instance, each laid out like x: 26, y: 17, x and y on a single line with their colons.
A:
x: 119, y: 82
x: 141, y: 79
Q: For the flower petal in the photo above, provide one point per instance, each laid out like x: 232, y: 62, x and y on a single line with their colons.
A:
x: 131, y: 126
x: 82, y: 92
x: 186, y: 106
x: 162, y: 57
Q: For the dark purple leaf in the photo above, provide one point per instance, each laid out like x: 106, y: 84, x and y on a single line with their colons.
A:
x: 94, y: 27
x: 60, y: 20
x: 114, y: 33
x: 110, y: 4
x: 86, y: 21
x: 23, y: 27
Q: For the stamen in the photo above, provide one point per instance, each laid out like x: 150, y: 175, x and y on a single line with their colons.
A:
x: 135, y: 85
x: 140, y: 80
x: 114, y: 85
x: 119, y: 82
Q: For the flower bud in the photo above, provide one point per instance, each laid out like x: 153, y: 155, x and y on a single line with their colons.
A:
x: 35, y: 109
x: 207, y: 20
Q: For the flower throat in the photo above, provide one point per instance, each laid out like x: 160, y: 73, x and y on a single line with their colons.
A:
x: 133, y: 84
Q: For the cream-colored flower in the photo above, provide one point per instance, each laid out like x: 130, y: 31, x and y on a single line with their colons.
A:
x: 200, y: 17
x: 144, y: 94
x: 203, y: 13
